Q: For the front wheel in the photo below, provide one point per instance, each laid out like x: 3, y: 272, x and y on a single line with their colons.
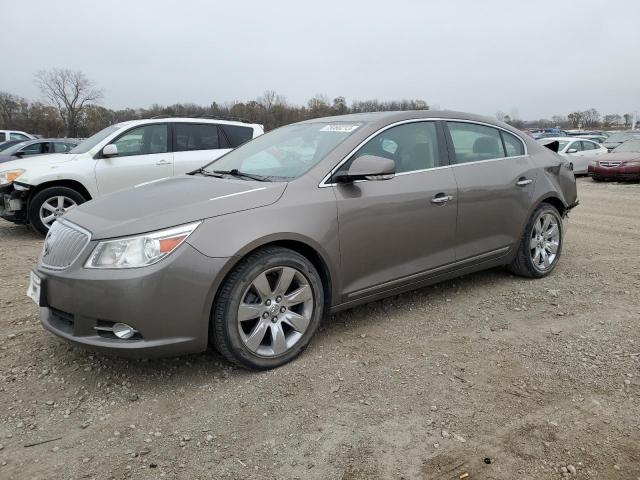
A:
x: 541, y: 244
x: 268, y: 309
x: 50, y: 204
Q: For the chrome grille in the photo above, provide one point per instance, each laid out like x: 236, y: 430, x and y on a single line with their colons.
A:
x: 63, y: 245
x: 609, y: 164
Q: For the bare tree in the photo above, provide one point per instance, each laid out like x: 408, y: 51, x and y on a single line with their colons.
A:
x: 69, y: 91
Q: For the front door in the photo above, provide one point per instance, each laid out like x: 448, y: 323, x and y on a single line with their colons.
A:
x: 395, y: 231
x: 495, y: 183
x: 143, y: 155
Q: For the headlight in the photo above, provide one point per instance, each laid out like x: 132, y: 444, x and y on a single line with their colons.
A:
x: 141, y: 250
x: 9, y: 176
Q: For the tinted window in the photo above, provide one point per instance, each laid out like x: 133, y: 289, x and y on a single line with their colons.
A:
x: 512, y: 144
x: 412, y: 146
x: 195, y: 137
x: 18, y: 136
x: 473, y: 142
x: 3, y: 136
x: 237, y: 135
x: 34, y: 149
x: 143, y: 141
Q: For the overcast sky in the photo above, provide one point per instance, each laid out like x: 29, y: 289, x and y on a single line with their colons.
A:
x: 538, y: 57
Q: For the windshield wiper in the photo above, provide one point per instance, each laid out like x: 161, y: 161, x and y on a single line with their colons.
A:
x: 237, y: 173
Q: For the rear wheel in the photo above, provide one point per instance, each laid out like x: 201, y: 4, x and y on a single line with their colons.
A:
x: 541, y: 244
x: 268, y: 309
x: 50, y: 204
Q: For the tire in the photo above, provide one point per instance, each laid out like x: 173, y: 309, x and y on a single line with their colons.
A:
x: 257, y: 342
x: 529, y: 262
x: 50, y: 196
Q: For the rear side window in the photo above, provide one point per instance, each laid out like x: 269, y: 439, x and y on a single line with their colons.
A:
x: 237, y: 135
x: 473, y: 142
x: 512, y: 144
x: 588, y: 145
x: 195, y: 136
x: 3, y: 136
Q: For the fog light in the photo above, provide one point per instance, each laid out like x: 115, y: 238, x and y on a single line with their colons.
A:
x: 123, y: 331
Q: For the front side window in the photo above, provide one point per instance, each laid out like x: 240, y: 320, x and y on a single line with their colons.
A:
x: 512, y: 144
x: 18, y: 136
x: 576, y: 146
x: 34, y: 149
x: 412, y: 146
x: 237, y: 135
x: 287, y: 152
x: 145, y: 140
x: 193, y: 136
x: 473, y: 142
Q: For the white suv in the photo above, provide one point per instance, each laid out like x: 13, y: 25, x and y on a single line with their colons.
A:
x: 8, y: 135
x: 38, y: 190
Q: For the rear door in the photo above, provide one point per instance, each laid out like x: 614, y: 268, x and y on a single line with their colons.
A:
x: 196, y: 144
x: 393, y: 232
x: 143, y: 155
x: 495, y: 181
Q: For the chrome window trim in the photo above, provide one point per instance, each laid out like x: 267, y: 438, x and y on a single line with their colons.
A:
x: 77, y: 228
x: 323, y: 183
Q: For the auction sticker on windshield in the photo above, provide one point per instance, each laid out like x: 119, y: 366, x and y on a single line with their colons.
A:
x: 33, y: 292
x: 339, y: 127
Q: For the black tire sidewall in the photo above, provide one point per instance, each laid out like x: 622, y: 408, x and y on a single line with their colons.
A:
x: 225, y: 311
x: 41, y: 197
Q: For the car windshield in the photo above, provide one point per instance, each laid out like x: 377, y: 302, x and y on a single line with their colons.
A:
x: 92, y: 141
x: 12, y: 149
x: 628, y: 146
x: 7, y: 145
x: 285, y: 153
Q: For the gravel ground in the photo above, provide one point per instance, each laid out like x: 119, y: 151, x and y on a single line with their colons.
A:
x: 540, y: 378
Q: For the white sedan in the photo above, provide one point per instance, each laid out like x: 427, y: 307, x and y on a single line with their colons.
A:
x: 578, y: 151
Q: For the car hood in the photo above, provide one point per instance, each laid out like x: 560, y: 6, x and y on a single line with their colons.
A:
x: 619, y: 157
x: 51, y: 160
x: 169, y: 202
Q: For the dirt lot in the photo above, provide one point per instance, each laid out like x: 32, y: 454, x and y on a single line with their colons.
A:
x: 537, y: 376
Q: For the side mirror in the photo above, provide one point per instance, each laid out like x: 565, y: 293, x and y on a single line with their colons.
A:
x: 110, y: 150
x: 572, y: 150
x: 367, y: 167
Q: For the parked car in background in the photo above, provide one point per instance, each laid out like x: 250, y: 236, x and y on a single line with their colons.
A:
x: 548, y: 133
x: 251, y: 251
x: 7, y: 135
x: 595, y: 138
x: 39, y: 190
x: 8, y: 144
x: 619, y: 138
x: 623, y: 163
x: 577, y: 151
x: 41, y: 146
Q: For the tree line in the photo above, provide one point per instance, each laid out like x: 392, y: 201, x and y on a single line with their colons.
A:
x: 70, y: 107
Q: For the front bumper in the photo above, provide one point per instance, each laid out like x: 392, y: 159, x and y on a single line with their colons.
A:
x: 620, y: 172
x: 13, y: 204
x: 169, y: 304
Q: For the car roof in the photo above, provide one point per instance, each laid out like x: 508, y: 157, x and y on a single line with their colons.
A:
x: 145, y: 121
x: 404, y: 115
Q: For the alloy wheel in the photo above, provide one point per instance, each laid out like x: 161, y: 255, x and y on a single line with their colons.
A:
x: 545, y: 241
x: 54, y: 207
x: 275, y: 311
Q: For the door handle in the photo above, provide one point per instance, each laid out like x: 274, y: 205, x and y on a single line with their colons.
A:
x: 162, y: 162
x: 523, y: 182
x: 441, y: 199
